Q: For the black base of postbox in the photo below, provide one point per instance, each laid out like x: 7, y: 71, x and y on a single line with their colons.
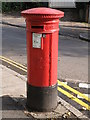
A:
x: 42, y: 99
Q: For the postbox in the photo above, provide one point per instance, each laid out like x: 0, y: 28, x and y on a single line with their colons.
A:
x: 42, y: 27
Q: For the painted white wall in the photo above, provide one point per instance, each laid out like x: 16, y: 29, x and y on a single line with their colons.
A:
x: 62, y: 3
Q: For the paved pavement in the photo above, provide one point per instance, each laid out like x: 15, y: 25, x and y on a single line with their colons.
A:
x: 12, y: 88
x: 14, y: 100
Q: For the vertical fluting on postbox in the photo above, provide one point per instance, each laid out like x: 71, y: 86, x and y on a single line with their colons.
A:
x: 42, y: 26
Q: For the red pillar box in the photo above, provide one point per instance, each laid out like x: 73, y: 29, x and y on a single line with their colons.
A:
x: 42, y: 27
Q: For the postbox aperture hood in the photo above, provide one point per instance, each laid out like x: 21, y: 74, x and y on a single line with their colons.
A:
x: 42, y: 13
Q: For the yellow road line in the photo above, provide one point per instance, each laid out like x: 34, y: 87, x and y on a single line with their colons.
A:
x: 74, y: 91
x: 13, y: 62
x: 74, y: 98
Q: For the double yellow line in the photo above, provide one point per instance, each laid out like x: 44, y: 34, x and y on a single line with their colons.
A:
x: 72, y: 97
x: 13, y: 63
x: 69, y: 95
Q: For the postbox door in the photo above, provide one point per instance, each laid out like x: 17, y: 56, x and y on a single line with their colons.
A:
x: 42, y: 57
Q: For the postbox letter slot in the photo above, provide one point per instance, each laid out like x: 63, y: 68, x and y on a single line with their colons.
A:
x: 37, y: 27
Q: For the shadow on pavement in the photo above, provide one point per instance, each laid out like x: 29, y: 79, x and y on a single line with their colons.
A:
x: 12, y: 109
x: 9, y: 103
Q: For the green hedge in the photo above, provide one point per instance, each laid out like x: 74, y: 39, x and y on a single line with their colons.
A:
x: 16, y: 6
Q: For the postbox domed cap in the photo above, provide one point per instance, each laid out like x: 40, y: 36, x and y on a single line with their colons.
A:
x: 42, y: 12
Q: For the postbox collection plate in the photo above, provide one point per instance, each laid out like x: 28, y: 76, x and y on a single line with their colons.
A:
x: 36, y: 40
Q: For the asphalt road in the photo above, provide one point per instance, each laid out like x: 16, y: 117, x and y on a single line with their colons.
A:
x: 72, y: 55
x: 72, y: 31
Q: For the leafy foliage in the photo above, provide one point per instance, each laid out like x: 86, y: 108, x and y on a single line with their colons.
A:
x: 16, y: 6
